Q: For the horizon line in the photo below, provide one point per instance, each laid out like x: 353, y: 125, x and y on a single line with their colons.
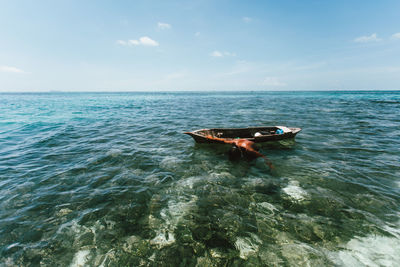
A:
x: 199, y: 91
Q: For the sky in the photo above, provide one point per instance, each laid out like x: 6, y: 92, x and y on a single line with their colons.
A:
x: 107, y: 45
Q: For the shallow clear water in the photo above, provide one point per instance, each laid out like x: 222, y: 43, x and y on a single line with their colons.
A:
x: 108, y: 179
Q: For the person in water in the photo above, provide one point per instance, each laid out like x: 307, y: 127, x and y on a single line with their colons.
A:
x: 242, y: 148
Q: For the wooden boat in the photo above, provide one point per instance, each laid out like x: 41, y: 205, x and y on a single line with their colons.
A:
x: 255, y: 134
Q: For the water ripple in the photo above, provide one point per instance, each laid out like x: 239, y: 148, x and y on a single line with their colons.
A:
x: 109, y: 179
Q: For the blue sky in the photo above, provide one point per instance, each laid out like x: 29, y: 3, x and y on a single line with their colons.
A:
x: 199, y: 45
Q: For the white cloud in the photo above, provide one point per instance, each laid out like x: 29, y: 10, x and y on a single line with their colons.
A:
x: 11, y: 69
x: 133, y: 42
x: 145, y: 41
x: 122, y: 42
x: 163, y: 26
x: 272, y: 81
x: 365, y: 39
x: 396, y: 36
x: 247, y: 19
x: 217, y: 53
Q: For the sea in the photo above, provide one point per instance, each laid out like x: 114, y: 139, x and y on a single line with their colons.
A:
x: 109, y: 179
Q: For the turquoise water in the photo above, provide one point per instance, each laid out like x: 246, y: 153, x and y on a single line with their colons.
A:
x: 108, y: 179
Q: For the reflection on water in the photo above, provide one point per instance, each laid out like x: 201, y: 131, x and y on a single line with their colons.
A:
x: 109, y: 179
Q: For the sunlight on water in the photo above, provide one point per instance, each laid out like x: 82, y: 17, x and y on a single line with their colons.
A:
x: 294, y: 191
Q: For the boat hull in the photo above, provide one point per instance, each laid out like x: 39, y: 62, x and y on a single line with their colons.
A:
x: 265, y: 134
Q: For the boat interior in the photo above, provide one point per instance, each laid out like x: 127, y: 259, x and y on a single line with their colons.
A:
x: 241, y: 133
